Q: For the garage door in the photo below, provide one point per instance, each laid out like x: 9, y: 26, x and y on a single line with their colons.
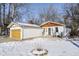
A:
x: 16, y: 34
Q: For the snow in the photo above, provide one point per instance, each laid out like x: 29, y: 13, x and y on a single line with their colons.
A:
x: 39, y: 52
x: 76, y: 42
x: 25, y: 24
x: 22, y: 24
x: 24, y: 48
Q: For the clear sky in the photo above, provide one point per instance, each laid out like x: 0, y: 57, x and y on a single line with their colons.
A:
x: 37, y: 7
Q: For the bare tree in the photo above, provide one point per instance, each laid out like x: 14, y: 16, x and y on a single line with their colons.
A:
x: 48, y: 14
x: 0, y: 13
x: 9, y: 14
x: 18, y: 10
x: 72, y: 17
x: 4, y: 13
x: 14, y: 11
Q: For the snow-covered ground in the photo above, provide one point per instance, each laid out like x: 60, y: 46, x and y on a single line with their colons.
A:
x: 54, y: 47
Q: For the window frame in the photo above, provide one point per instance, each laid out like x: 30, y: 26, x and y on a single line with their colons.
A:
x: 56, y: 28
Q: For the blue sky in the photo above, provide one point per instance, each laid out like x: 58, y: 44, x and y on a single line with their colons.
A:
x: 37, y: 7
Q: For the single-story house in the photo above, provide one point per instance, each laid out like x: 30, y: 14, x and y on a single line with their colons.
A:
x: 53, y: 28
x: 20, y: 31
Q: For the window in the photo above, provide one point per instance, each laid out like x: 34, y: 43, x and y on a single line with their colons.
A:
x: 43, y: 31
x: 56, y: 29
x: 49, y: 31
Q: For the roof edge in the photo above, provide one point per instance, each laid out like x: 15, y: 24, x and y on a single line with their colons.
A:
x: 51, y: 22
x: 23, y: 24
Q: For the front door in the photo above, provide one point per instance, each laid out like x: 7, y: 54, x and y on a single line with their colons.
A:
x: 49, y: 31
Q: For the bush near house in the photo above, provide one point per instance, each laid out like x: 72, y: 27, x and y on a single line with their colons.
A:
x: 74, y: 29
x: 4, y: 29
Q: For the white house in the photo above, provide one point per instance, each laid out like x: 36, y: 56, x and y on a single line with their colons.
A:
x: 53, y: 28
x: 19, y: 31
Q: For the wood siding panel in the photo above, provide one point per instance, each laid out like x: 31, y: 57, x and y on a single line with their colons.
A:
x: 49, y: 24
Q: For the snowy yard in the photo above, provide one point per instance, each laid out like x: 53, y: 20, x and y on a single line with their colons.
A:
x: 54, y: 47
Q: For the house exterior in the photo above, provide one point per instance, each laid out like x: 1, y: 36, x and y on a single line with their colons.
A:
x: 19, y: 31
x: 53, y: 28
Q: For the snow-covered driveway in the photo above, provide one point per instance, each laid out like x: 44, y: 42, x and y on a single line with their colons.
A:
x: 54, y: 47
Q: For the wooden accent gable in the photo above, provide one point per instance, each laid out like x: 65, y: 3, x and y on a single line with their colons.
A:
x: 50, y: 24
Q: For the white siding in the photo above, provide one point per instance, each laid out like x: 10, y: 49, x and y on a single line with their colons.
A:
x: 60, y: 30
x: 46, y: 32
x: 31, y: 32
x: 53, y: 30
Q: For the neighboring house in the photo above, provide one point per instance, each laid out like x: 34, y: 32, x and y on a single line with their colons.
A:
x: 53, y: 28
x: 19, y: 31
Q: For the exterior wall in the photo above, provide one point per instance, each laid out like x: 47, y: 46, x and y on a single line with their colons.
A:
x: 53, y: 30
x: 31, y: 32
x: 13, y: 28
x: 45, y: 29
x: 60, y: 30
